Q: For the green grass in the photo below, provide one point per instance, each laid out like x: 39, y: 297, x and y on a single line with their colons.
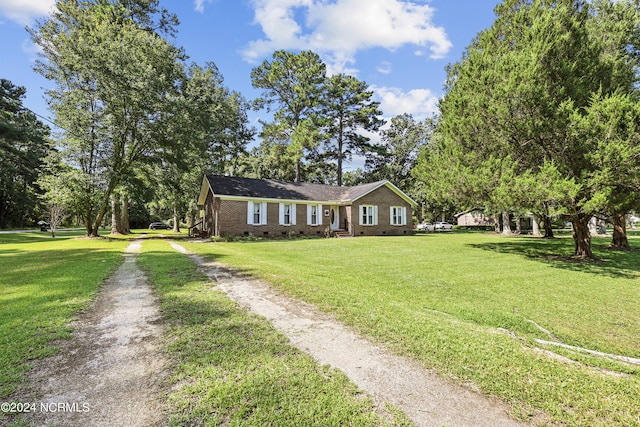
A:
x: 44, y: 281
x: 439, y: 298
x: 149, y: 234
x: 446, y: 299
x: 232, y: 368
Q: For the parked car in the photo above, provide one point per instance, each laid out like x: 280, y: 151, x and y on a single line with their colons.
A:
x: 159, y: 226
x: 426, y: 226
x: 443, y: 226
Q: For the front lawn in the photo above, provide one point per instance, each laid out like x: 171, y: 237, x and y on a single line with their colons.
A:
x: 43, y: 282
x: 232, y: 368
x: 472, y: 306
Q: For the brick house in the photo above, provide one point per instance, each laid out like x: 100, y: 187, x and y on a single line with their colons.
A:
x: 235, y: 206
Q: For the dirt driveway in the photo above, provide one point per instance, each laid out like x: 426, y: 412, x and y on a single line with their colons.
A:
x: 109, y: 373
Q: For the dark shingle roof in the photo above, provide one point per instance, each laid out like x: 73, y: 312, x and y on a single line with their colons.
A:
x: 271, y: 189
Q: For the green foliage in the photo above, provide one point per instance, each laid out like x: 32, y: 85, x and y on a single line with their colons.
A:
x: 611, y: 125
x: 292, y: 86
x: 515, y: 104
x: 206, y: 132
x: 113, y: 76
x: 348, y: 110
x: 24, y: 144
x: 309, y: 108
x: 396, y: 157
x: 447, y: 301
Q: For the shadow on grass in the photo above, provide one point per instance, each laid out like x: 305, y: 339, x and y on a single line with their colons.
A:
x: 53, y: 265
x: 230, y: 335
x: 31, y: 238
x: 558, y: 253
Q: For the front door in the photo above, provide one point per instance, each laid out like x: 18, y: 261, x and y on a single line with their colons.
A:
x: 334, y: 217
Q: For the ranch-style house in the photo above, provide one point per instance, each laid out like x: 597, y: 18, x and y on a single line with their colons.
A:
x: 233, y: 206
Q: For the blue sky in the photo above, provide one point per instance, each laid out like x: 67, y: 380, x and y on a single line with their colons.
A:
x: 399, y: 47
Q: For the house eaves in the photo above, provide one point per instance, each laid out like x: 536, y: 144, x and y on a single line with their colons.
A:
x: 277, y: 200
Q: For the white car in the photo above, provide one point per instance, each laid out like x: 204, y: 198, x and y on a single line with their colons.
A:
x: 426, y: 226
x: 443, y: 226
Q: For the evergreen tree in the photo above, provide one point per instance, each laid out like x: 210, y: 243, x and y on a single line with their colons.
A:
x: 514, y: 101
x: 292, y: 86
x: 348, y: 110
x: 24, y: 144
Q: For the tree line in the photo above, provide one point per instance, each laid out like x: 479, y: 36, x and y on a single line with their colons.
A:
x: 540, y: 115
x: 139, y: 126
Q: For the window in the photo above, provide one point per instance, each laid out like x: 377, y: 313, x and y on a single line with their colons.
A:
x: 287, y: 214
x: 286, y: 219
x: 398, y: 215
x: 256, y: 213
x: 314, y: 214
x: 368, y: 215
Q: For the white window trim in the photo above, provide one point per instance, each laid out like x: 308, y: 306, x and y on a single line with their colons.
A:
x: 292, y: 213
x: 403, y: 215
x: 318, y: 215
x: 250, y: 213
x: 371, y: 211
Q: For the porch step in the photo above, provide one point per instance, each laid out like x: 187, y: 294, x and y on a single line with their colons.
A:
x: 341, y: 234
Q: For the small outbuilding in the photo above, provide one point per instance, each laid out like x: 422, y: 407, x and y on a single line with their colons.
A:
x: 233, y: 206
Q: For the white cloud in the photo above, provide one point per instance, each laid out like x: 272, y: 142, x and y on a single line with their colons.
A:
x: 199, y: 5
x: 25, y: 11
x: 338, y: 29
x: 421, y: 103
x: 384, y: 67
x: 31, y: 49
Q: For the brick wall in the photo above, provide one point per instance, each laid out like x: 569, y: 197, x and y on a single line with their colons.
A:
x: 384, y: 198
x: 233, y: 221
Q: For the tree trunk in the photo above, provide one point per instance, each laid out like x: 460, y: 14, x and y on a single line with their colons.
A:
x: 176, y: 218
x: 103, y: 208
x: 88, y: 220
x: 298, y: 171
x: 116, y: 216
x: 582, y: 236
x: 506, y: 226
x: 56, y: 213
x: 126, y: 229
x: 340, y: 158
x: 536, y: 227
x: 518, y: 225
x: 620, y: 240
x: 548, y: 227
